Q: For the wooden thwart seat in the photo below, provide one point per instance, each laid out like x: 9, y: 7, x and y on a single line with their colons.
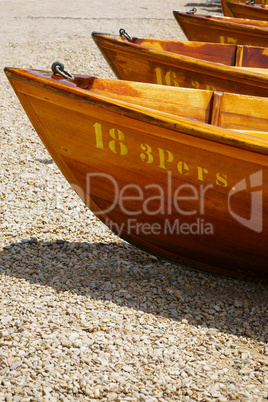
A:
x: 228, y: 112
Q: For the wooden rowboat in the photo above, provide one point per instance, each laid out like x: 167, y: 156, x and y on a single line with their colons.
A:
x: 207, y: 28
x: 187, y: 64
x: 174, y: 171
x: 227, y: 12
x: 251, y: 11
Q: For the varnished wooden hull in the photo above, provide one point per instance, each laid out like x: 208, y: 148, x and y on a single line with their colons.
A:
x: 146, y: 60
x: 250, y: 11
x: 227, y: 12
x: 209, y: 28
x: 132, y: 159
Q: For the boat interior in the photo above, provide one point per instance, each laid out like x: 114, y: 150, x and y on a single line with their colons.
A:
x: 220, y: 109
x: 231, y: 55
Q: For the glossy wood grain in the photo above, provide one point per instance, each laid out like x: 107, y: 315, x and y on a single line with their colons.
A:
x: 209, y: 28
x: 227, y: 12
x: 172, y: 156
x: 251, y: 11
x: 187, y: 64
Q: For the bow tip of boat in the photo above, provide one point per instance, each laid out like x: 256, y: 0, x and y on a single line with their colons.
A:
x: 97, y: 34
x: 9, y: 69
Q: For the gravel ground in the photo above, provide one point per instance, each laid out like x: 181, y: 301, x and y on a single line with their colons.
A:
x: 84, y: 315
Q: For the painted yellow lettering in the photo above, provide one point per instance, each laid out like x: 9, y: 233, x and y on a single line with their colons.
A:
x: 116, y: 143
x: 231, y: 40
x: 171, y: 79
x: 146, y: 156
x: 210, y: 88
x: 221, y: 180
x: 223, y: 39
x: 164, y: 156
x: 200, y: 173
x: 159, y: 80
x: 98, y: 134
x: 183, y: 168
x: 195, y: 84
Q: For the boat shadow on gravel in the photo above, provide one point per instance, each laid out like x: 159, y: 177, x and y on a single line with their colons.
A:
x: 122, y: 274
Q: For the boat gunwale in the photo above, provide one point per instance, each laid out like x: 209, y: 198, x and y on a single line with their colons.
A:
x: 187, y: 126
